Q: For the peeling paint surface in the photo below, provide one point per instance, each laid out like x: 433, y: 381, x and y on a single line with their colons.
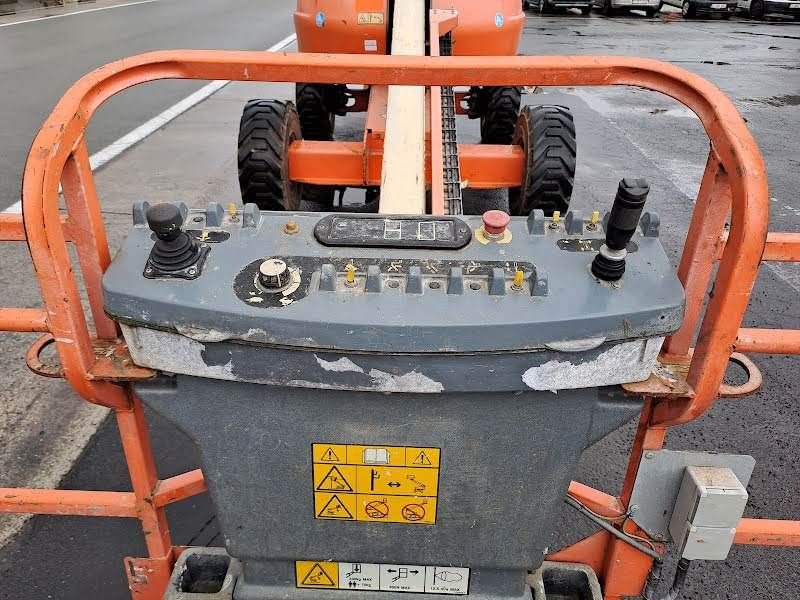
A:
x: 339, y: 366
x: 624, y: 363
x: 172, y: 353
x: 410, y: 382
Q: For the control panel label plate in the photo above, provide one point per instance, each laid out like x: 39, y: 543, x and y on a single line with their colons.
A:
x: 382, y: 577
x: 392, y: 484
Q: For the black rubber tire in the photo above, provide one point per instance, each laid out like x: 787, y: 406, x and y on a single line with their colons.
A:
x: 266, y: 130
x: 650, y: 12
x: 499, y: 114
x: 547, y: 135
x: 585, y: 10
x: 317, y: 119
x: 757, y: 10
x: 688, y: 9
x: 543, y: 7
x: 608, y: 10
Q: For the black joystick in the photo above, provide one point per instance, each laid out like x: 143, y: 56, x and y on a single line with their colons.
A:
x: 609, y: 264
x: 174, y: 250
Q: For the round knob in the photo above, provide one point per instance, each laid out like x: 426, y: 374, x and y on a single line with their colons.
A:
x: 495, y: 222
x: 165, y: 220
x: 273, y: 274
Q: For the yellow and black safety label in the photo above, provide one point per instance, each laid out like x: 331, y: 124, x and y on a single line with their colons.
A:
x: 378, y: 577
x: 394, y: 484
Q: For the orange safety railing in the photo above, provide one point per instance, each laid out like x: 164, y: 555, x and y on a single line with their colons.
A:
x: 95, y: 362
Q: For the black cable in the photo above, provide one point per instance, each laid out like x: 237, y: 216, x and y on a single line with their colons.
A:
x: 677, y: 584
x: 612, y: 530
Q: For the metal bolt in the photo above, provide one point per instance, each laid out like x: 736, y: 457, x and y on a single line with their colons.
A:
x: 291, y: 227
x: 633, y: 509
x: 649, y: 454
x: 148, y: 270
x: 192, y: 271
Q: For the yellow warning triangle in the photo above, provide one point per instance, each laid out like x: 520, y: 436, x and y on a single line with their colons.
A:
x: 318, y: 577
x: 330, y: 456
x: 422, y: 459
x: 334, y: 481
x: 334, y: 509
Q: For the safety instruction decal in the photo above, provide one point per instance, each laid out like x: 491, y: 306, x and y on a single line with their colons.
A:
x: 382, y: 577
x: 393, y: 484
x: 370, y: 18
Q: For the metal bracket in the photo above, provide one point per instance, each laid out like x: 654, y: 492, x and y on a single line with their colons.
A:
x: 114, y: 363
x: 658, y: 482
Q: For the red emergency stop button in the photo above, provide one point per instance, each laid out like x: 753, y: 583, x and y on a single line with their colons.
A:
x: 495, y: 222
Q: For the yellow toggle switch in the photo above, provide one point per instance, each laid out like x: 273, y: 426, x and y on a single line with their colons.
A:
x: 232, y: 210
x: 519, y: 278
x: 556, y: 217
x: 595, y: 219
x: 350, y: 275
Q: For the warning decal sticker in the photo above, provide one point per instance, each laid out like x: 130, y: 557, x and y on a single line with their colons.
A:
x: 393, y: 484
x: 312, y: 574
x: 383, y: 578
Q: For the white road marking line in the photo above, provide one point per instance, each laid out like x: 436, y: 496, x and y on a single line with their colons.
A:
x: 77, y: 12
x: 110, y: 152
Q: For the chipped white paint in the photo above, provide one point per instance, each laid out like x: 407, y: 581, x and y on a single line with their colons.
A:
x: 624, y: 363
x: 576, y: 345
x: 179, y: 353
x: 203, y: 335
x: 341, y: 365
x: 409, y: 383
x: 172, y: 353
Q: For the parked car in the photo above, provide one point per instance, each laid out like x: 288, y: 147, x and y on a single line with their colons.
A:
x: 758, y: 9
x: 615, y: 7
x: 545, y: 6
x: 693, y: 8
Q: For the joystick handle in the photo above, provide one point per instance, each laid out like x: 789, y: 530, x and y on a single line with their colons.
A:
x: 165, y: 220
x: 609, y: 264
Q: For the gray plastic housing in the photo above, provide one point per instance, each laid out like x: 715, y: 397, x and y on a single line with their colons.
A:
x: 422, y: 308
x: 506, y: 463
x: 710, y: 504
x: 426, y: 348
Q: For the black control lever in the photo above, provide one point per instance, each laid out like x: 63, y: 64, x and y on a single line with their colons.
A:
x: 175, y: 253
x: 609, y: 264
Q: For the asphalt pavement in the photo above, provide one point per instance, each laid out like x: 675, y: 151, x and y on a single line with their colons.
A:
x: 40, y: 59
x: 621, y: 132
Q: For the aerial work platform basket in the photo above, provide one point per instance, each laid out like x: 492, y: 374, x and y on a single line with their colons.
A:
x: 726, y: 242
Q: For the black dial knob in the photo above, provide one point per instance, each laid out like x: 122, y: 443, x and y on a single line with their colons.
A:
x: 165, y: 221
x: 273, y: 274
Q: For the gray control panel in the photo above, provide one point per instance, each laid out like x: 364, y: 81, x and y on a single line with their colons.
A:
x: 333, y: 294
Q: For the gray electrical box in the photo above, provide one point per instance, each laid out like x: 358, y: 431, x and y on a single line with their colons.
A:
x: 710, y: 505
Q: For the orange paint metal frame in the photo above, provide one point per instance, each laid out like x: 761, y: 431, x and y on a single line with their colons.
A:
x: 734, y: 181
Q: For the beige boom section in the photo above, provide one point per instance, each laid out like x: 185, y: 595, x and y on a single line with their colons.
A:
x: 403, y: 176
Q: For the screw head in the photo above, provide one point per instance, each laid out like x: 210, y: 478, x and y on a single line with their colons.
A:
x: 192, y: 271
x: 649, y: 454
x: 291, y: 227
